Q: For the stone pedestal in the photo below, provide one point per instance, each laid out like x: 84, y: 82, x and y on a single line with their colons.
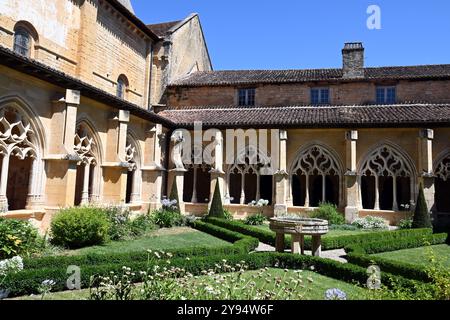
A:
x: 352, y: 200
x: 298, y: 244
x: 279, y: 242
x: 316, y: 245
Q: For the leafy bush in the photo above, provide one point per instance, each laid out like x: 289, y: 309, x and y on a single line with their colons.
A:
x: 141, y: 224
x: 119, y: 219
x: 228, y: 215
x: 80, y: 227
x: 167, y: 218
x: 421, y: 217
x: 328, y: 211
x: 370, y: 223
x: 216, y: 209
x: 405, y: 224
x: 255, y: 220
x: 18, y: 237
x: 346, y: 227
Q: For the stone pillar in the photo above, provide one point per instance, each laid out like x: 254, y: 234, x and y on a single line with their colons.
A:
x: 217, y: 173
x: 426, y: 173
x: 316, y: 245
x: 152, y: 170
x: 35, y: 197
x: 352, y: 204
x: 281, y: 176
x: 4, y: 184
x: 85, y: 191
x: 115, y: 169
x: 62, y: 159
x: 194, y: 186
x: 177, y: 176
x: 279, y: 242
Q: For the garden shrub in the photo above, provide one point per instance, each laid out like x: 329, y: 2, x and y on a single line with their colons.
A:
x: 329, y: 212
x: 360, y: 254
x: 28, y: 281
x: 370, y: 223
x: 80, y: 227
x: 216, y: 209
x: 228, y: 215
x: 255, y: 219
x: 421, y: 217
x: 405, y: 224
x: 119, y: 219
x: 18, y: 237
x: 141, y: 224
x: 174, y: 198
x: 167, y: 218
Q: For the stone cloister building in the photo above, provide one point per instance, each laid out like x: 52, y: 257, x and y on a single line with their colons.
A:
x: 95, y: 105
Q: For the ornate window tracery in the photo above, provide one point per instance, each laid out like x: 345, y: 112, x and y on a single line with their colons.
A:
x: 315, y: 177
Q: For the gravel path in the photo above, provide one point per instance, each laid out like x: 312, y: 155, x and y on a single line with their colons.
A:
x: 337, y: 255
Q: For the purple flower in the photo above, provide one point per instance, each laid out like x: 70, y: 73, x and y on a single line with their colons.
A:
x: 335, y: 294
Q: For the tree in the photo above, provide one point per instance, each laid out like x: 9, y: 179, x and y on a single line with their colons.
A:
x: 216, y: 209
x: 174, y: 196
x: 421, y: 217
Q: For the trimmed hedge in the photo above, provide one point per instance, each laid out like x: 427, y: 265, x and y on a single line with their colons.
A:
x: 28, y: 281
x: 241, y: 244
x: 330, y: 243
x: 360, y: 255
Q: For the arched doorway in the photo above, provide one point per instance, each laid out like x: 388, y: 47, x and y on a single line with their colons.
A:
x: 315, y: 177
x: 386, y: 180
x: 22, y: 174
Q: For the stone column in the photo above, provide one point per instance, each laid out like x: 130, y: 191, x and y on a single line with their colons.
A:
x: 194, y: 186
x: 85, y: 191
x: 217, y: 173
x: 426, y: 172
x: 316, y: 245
x: 4, y: 184
x: 281, y: 175
x: 351, y: 178
x: 61, y: 159
x: 177, y: 176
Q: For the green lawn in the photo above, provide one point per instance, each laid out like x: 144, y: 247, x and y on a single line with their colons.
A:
x: 162, y: 239
x: 315, y: 290
x: 419, y: 256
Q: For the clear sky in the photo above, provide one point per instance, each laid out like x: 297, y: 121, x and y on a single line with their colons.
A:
x: 297, y: 34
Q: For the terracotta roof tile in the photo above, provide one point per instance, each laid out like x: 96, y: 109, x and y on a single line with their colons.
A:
x: 309, y: 117
x: 236, y: 77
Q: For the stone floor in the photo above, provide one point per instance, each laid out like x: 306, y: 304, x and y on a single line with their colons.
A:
x: 337, y: 255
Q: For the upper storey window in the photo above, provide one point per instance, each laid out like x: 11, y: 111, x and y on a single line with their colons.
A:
x: 247, y: 97
x: 122, y: 84
x: 320, y: 96
x: 386, y: 95
x: 22, y: 42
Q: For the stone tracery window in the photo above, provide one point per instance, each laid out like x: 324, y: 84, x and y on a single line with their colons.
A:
x: 87, y: 187
x: 315, y: 177
x: 249, y: 178
x: 22, y: 179
x: 442, y: 185
x: 386, y: 180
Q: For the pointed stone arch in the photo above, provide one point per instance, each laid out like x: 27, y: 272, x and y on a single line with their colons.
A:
x: 387, y: 177
x: 441, y: 169
x: 88, y: 147
x: 249, y: 164
x: 315, y: 176
x: 22, y: 138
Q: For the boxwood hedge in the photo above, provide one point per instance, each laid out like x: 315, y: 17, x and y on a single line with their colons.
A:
x: 329, y: 243
x: 28, y: 281
x: 241, y: 244
x: 360, y: 254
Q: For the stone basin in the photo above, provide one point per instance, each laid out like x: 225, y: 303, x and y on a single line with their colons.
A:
x: 298, y: 228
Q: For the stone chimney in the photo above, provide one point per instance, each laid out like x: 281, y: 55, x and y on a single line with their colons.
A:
x: 353, y: 60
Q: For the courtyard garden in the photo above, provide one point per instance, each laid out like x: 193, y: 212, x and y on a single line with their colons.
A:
x: 107, y: 253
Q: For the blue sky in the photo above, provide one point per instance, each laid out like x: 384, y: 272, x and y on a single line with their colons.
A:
x: 295, y: 34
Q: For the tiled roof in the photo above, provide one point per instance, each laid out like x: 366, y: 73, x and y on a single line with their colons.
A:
x: 232, y: 77
x: 399, y: 115
x: 161, y: 29
x: 41, y: 71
